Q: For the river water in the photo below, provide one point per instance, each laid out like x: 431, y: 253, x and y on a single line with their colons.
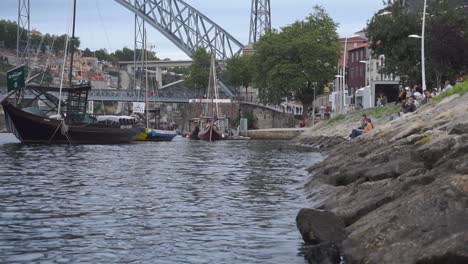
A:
x: 174, y: 202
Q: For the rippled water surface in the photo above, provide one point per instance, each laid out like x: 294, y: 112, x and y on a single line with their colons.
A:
x: 174, y: 202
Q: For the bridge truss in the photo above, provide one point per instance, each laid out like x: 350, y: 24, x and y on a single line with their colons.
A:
x: 23, y: 33
x: 260, y: 19
x: 185, y: 26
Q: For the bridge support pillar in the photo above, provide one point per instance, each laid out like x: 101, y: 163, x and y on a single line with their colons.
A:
x: 159, y: 77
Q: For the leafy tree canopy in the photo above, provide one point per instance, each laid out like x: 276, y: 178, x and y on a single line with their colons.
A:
x: 445, y: 41
x: 239, y: 71
x: 199, y: 70
x: 292, y: 62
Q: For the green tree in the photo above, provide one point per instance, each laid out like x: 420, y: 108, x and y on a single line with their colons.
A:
x: 292, y: 62
x: 8, y: 32
x: 87, y: 52
x: 238, y: 72
x: 389, y: 36
x: 199, y: 70
x: 124, y: 54
x: 445, y: 41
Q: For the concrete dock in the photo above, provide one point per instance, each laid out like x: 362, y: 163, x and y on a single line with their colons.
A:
x: 273, y: 133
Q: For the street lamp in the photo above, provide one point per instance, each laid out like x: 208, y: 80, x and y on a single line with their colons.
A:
x: 345, y: 55
x: 370, y: 87
x: 338, y: 82
x: 313, y: 106
x: 368, y: 69
x: 423, y: 66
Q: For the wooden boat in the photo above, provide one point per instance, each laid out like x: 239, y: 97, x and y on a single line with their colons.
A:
x: 35, y: 125
x: 209, y: 130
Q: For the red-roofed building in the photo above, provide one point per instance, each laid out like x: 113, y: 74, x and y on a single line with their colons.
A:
x: 356, y: 69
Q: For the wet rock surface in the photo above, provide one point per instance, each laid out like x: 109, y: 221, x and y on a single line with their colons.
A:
x: 400, y: 190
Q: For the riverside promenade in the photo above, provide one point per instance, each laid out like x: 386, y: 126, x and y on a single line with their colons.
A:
x: 273, y: 133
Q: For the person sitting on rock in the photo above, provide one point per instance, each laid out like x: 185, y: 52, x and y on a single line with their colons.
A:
x: 427, y: 97
x: 394, y: 116
x: 368, y: 126
x: 362, y: 122
x: 409, y: 106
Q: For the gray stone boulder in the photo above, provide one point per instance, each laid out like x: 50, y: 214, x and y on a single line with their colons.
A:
x: 317, y: 226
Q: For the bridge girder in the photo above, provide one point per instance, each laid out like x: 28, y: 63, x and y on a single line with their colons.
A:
x: 260, y: 19
x: 185, y: 26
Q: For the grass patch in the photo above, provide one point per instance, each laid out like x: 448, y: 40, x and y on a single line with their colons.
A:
x: 383, y: 111
x: 423, y: 140
x: 336, y: 119
x: 460, y: 88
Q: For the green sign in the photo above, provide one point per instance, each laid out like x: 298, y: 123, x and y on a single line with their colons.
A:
x: 15, y: 79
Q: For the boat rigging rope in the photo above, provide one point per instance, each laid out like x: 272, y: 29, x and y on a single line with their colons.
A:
x: 65, y: 60
x: 108, y: 43
x: 48, y: 59
x: 63, y: 129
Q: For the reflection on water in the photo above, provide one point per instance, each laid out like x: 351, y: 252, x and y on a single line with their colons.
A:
x: 174, y: 202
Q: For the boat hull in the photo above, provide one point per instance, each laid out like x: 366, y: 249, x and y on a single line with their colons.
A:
x: 149, y: 134
x: 210, y: 133
x: 31, y: 128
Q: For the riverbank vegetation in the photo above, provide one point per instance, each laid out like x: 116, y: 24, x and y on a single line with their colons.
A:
x: 290, y: 63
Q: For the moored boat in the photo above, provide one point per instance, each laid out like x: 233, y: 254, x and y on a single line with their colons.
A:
x: 150, y: 134
x: 210, y: 132
x: 210, y: 119
x: 33, y: 124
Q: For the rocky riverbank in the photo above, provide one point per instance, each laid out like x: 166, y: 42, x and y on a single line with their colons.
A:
x: 398, y: 194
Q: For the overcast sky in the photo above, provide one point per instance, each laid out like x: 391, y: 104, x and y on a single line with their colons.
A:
x: 51, y: 16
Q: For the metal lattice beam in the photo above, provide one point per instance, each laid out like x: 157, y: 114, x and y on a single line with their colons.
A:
x: 138, y: 45
x: 260, y: 19
x: 185, y: 26
x: 23, y: 34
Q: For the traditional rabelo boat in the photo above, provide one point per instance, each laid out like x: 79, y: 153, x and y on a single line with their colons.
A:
x: 49, y: 119
x: 211, y: 116
x: 33, y: 124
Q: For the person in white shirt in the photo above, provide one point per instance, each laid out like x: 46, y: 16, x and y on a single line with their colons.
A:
x: 447, y: 85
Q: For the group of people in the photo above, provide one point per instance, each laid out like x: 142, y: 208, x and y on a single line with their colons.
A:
x: 365, y: 125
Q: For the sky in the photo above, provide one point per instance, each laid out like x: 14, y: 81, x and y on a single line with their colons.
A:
x: 107, y: 24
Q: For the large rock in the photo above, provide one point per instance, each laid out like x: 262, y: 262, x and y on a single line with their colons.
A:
x: 429, y: 224
x: 317, y: 226
x: 401, y: 191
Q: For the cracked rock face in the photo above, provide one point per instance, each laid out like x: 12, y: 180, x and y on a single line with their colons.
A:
x: 402, y: 190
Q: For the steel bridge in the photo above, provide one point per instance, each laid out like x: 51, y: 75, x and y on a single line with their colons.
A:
x: 185, y: 26
x: 111, y: 95
x: 189, y: 29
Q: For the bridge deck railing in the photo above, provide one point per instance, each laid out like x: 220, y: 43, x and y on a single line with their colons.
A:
x: 169, y: 97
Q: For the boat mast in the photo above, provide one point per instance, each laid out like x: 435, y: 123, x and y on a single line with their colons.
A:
x: 215, y: 85
x: 72, y: 43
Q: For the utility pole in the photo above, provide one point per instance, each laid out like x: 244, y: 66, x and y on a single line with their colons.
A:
x: 260, y: 19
